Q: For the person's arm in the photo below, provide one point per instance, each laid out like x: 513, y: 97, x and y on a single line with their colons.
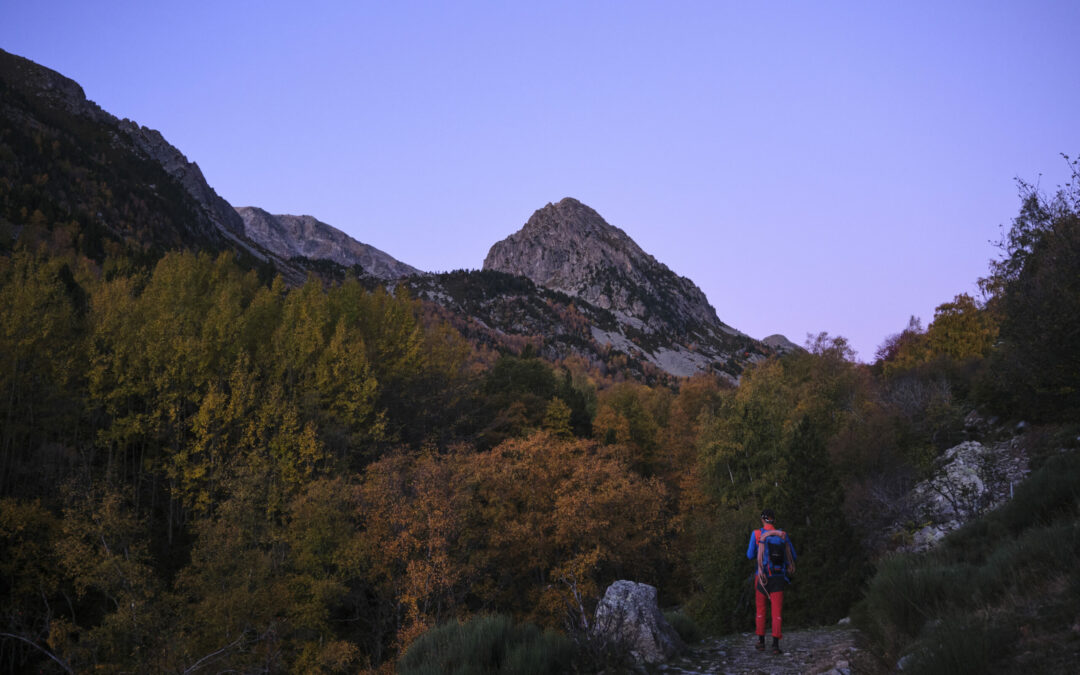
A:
x: 751, y: 550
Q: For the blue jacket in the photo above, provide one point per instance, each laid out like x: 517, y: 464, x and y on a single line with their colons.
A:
x: 751, y: 550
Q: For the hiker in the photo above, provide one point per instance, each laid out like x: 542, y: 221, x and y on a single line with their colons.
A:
x: 775, y: 563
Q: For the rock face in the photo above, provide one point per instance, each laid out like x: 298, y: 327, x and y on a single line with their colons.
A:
x: 660, y: 316
x: 306, y: 237
x: 629, y: 619
x: 568, y: 247
x: 151, y: 142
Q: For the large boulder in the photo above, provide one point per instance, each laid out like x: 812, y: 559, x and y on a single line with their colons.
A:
x: 629, y: 620
x: 969, y: 479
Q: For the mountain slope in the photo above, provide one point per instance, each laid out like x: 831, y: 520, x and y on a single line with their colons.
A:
x: 305, y: 237
x: 83, y: 164
x: 67, y: 165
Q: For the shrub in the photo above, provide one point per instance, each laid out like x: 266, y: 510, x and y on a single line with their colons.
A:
x: 957, y: 645
x: 1036, y: 555
x: 689, y: 631
x: 487, y: 644
x: 905, y: 594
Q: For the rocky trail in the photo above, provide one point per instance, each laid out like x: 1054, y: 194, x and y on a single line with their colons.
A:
x: 815, y: 651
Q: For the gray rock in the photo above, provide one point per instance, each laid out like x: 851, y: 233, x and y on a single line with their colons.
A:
x: 781, y: 344
x: 570, y: 248
x: 629, y: 619
x: 305, y: 237
x: 969, y: 479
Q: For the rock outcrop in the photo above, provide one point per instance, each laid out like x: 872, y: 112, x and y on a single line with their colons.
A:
x: 306, y: 237
x: 781, y: 344
x: 176, y: 164
x: 970, y: 479
x: 629, y: 620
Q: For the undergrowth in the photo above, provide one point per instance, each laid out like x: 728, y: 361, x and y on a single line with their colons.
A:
x: 994, y: 593
x: 488, y: 644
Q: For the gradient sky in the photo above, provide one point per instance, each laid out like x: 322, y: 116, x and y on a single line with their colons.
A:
x: 812, y: 166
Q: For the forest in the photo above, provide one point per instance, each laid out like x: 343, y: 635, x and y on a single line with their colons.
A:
x: 203, y: 469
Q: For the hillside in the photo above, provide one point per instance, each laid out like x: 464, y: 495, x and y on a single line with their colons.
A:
x: 106, y: 182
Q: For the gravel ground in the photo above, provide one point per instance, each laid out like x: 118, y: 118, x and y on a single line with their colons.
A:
x: 815, y: 651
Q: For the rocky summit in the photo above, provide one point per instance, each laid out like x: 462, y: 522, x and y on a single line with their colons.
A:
x: 306, y: 237
x: 569, y: 248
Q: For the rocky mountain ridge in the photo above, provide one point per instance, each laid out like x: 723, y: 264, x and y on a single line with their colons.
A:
x: 306, y: 237
x: 665, y: 318
x: 588, y: 288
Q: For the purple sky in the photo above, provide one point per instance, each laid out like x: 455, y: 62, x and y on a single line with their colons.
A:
x: 812, y: 166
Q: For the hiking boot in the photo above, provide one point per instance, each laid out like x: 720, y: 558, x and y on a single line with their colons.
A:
x: 775, y: 646
x: 761, y: 643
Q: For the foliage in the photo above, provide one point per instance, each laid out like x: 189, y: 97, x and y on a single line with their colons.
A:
x: 768, y: 447
x: 488, y: 644
x: 1036, y: 290
x: 565, y: 518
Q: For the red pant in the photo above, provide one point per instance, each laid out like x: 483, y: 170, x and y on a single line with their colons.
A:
x: 776, y: 598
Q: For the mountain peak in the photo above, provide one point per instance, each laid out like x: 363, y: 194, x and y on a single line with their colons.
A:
x: 568, y: 246
x: 570, y: 217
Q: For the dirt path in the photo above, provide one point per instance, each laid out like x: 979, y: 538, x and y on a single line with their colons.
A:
x: 815, y: 651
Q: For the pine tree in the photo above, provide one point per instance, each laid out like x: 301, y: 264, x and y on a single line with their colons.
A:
x: 830, y: 566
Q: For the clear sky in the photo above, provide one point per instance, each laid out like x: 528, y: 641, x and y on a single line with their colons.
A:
x: 812, y: 166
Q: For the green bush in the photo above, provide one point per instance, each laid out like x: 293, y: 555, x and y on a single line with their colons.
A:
x: 1033, y: 556
x: 487, y: 644
x: 906, y: 593
x: 687, y: 629
x: 958, y: 645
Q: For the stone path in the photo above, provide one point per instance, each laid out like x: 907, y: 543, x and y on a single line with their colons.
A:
x: 815, y: 651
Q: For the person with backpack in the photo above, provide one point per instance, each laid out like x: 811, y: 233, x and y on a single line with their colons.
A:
x: 775, y: 564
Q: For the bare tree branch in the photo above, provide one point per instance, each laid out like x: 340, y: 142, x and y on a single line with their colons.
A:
x: 44, y: 651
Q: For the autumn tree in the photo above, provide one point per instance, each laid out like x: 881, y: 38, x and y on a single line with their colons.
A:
x: 415, y: 540
x: 563, y: 518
